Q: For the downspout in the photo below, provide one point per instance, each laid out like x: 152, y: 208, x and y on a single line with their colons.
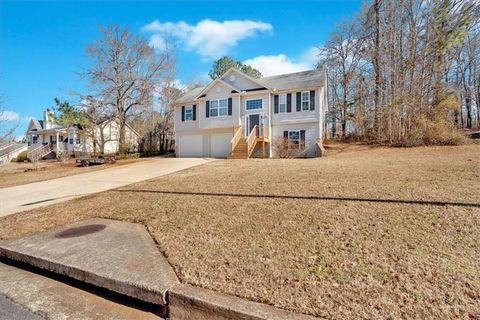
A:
x: 270, y: 124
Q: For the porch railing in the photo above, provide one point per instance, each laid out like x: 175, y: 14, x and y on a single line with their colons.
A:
x: 236, y: 138
x: 252, y: 139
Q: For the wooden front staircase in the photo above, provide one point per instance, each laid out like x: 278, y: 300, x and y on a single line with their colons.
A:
x: 242, y: 148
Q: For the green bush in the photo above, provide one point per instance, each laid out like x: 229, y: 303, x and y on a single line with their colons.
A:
x: 22, y: 156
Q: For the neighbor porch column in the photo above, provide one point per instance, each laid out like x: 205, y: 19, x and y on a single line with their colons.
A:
x: 56, y: 145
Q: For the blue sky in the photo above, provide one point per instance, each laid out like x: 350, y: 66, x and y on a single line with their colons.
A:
x: 42, y: 43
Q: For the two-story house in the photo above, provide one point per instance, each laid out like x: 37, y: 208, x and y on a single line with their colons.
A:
x: 236, y: 116
x: 47, y: 139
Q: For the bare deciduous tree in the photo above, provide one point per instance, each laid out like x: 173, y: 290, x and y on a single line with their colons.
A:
x: 125, y: 73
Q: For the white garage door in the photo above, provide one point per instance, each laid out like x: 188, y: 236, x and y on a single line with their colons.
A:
x: 220, y: 145
x: 190, y: 146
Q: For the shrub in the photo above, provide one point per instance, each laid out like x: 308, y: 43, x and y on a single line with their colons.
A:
x: 281, y: 149
x: 22, y: 156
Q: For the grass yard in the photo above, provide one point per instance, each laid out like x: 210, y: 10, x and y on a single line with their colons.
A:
x: 321, y: 243
x: 18, y: 173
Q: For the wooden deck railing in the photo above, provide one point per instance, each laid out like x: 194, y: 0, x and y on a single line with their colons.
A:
x: 236, y: 138
x: 252, y: 139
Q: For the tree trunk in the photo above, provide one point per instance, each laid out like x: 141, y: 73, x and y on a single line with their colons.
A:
x: 376, y: 66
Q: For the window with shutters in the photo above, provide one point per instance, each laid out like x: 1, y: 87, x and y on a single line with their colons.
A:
x: 305, y: 100
x: 189, y: 113
x: 254, y: 104
x: 295, y: 140
x: 282, y: 103
x: 219, y: 108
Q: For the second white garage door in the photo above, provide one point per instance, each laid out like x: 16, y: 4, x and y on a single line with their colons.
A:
x: 190, y: 146
x: 220, y: 145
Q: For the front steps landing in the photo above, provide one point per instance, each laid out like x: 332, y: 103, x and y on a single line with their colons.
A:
x: 113, y: 255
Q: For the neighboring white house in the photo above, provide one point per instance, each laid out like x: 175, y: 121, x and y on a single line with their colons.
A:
x: 52, y: 139
x: 236, y: 115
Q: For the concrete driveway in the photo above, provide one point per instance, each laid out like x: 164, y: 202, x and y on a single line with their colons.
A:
x: 38, y: 194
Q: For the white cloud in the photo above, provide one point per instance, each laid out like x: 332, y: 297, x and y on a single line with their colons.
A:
x: 210, y: 39
x: 9, y: 116
x: 271, y: 65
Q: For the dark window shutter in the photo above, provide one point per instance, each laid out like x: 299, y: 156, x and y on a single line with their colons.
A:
x: 275, y: 103
x: 312, y: 100
x: 183, y: 113
x: 230, y: 106
x: 207, y: 109
x: 194, y: 112
x: 285, y: 134
x: 299, y: 101
x: 302, y: 138
x: 289, y: 102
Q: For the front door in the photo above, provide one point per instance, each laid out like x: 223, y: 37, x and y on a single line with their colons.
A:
x: 253, y: 120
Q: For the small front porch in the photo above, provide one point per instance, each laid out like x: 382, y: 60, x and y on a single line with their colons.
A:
x: 52, y: 142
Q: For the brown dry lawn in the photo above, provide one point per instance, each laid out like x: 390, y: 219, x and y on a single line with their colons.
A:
x: 344, y: 257
x: 14, y: 174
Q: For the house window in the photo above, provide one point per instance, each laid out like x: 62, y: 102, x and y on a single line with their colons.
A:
x: 53, y: 139
x: 34, y: 139
x: 71, y: 138
x: 305, y: 100
x: 219, y: 108
x: 189, y: 114
x: 282, y: 103
x: 254, y: 104
x: 295, y: 139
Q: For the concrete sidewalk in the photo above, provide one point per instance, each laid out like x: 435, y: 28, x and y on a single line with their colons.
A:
x: 38, y: 194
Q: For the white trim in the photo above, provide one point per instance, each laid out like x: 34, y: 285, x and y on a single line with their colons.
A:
x: 246, y: 100
x: 286, y: 103
x: 218, y: 108
x: 207, y: 88
x: 246, y: 76
x: 301, y: 101
x: 189, y: 108
x: 247, y: 121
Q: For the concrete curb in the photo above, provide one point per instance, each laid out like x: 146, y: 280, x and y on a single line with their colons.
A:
x: 119, y: 256
x: 187, y: 302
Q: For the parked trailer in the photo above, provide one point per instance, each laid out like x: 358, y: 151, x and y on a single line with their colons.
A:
x: 87, y: 159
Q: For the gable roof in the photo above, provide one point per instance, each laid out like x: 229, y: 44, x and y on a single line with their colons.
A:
x: 214, y: 82
x: 190, y: 95
x: 304, y: 79
x: 232, y: 69
x: 35, y: 124
x: 297, y: 80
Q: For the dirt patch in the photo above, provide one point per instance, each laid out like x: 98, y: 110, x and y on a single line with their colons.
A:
x: 310, y: 246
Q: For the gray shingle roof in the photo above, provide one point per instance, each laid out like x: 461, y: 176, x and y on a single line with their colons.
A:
x: 304, y: 79
x: 189, y: 96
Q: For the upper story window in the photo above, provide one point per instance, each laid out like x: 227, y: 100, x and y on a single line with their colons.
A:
x: 282, y: 103
x: 305, y: 100
x: 254, y: 104
x: 188, y: 113
x: 219, y: 108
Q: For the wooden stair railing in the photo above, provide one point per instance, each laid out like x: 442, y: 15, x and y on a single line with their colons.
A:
x: 242, y: 148
x: 252, y: 140
x: 236, y: 138
x: 39, y: 152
